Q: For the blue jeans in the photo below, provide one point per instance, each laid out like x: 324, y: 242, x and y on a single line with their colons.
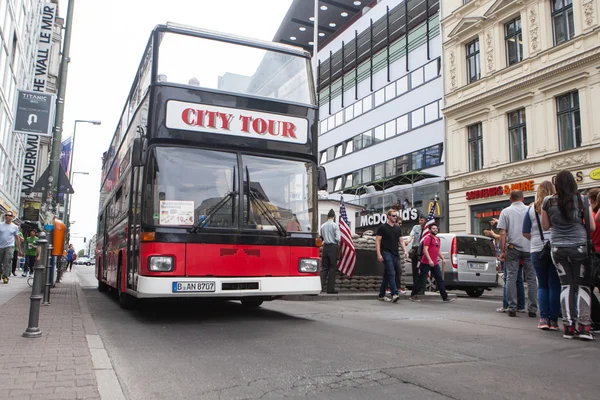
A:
x: 389, y: 273
x: 520, y: 290
x: 437, y: 275
x: 548, y: 287
x: 514, y: 258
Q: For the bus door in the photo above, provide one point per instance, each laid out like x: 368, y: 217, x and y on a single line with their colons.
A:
x: 133, y: 240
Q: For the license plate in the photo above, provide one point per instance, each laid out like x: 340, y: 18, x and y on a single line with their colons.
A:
x: 476, y: 266
x: 204, y: 286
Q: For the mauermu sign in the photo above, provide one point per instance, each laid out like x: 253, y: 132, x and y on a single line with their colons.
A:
x: 236, y: 122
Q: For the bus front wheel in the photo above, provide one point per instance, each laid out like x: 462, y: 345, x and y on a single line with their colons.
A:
x: 251, y: 303
x: 126, y: 301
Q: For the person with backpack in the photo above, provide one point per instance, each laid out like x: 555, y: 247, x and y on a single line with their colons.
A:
x: 565, y: 212
x: 541, y: 258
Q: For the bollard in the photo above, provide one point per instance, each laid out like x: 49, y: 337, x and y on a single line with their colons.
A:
x: 33, y: 331
x: 48, y: 275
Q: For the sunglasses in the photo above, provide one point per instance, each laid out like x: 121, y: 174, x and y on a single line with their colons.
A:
x: 8, y: 215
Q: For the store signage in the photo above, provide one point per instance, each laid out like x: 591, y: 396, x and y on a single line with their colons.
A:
x: 411, y: 214
x: 595, y: 174
x: 236, y: 122
x: 577, y: 175
x: 526, y: 186
x: 35, y: 112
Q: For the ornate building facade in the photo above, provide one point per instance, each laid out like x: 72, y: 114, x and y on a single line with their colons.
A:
x: 522, y: 78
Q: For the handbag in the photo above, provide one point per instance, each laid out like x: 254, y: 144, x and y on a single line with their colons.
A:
x: 593, y: 261
x: 546, y: 253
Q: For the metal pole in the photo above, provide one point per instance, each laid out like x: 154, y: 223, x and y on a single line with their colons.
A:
x: 316, y: 42
x: 52, y: 197
x: 33, y: 330
x: 67, y: 212
x: 48, y: 276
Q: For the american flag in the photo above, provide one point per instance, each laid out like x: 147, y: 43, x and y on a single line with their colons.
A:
x: 430, y: 220
x: 347, y: 260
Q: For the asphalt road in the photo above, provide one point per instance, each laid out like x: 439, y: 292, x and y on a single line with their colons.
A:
x: 338, y: 350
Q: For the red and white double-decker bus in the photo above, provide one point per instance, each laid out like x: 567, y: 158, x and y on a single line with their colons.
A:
x: 209, y: 184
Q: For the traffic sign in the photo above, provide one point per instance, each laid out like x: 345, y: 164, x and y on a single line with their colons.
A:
x: 35, y: 113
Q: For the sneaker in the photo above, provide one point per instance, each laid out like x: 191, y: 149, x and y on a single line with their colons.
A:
x: 4, y: 279
x: 568, y: 332
x: 543, y: 324
x: 586, y: 333
x: 512, y: 313
x: 501, y: 310
x: 414, y: 299
x: 532, y: 314
x: 387, y: 291
x: 395, y: 298
x: 553, y: 325
x: 522, y: 311
x: 401, y: 291
x: 23, y: 275
x: 384, y: 298
x: 448, y: 300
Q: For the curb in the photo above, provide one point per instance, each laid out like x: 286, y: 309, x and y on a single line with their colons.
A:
x: 109, y: 386
x: 429, y: 296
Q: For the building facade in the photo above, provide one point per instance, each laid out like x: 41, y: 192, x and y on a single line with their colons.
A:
x: 20, y: 24
x: 380, y: 98
x: 521, y: 81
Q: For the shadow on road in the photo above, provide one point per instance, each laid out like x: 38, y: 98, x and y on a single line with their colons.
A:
x: 190, y: 310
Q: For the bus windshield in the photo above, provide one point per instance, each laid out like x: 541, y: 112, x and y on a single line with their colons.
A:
x: 212, y: 64
x: 187, y: 186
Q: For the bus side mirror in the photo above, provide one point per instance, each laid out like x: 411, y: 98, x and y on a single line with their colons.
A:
x: 322, y: 178
x: 137, y: 152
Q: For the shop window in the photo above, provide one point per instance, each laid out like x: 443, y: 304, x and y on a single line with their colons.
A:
x: 513, y: 39
x: 475, y: 147
x: 569, y: 121
x: 562, y: 21
x: 473, y: 63
x: 517, y: 135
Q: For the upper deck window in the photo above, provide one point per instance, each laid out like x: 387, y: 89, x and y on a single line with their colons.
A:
x: 235, y: 68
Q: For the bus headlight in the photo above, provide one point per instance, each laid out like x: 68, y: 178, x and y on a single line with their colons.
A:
x: 308, y: 265
x: 160, y: 264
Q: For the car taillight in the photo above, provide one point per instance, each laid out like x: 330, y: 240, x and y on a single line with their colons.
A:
x: 453, y: 254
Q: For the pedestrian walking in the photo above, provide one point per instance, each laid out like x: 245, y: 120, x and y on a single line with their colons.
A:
x: 514, y: 251
x: 330, y: 232
x: 388, y: 240
x: 71, y: 257
x: 32, y: 253
x: 9, y: 238
x: 17, y: 252
x: 415, y: 252
x: 541, y: 258
x: 429, y: 263
x: 565, y: 212
x: 594, y: 197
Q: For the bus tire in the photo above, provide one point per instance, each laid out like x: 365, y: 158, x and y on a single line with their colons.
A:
x: 103, y: 287
x: 126, y: 301
x: 249, y: 303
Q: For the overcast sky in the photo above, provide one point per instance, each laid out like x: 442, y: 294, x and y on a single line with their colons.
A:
x: 107, y: 43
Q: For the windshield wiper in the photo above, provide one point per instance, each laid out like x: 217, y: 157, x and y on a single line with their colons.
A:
x: 201, y: 223
x: 263, y: 208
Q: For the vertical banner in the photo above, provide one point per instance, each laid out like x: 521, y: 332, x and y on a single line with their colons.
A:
x: 40, y: 83
x: 65, y: 161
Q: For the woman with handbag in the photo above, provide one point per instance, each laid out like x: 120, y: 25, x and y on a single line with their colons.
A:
x: 547, y: 276
x: 565, y: 212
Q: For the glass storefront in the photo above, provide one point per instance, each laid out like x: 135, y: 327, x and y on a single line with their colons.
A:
x: 375, y: 207
x: 482, y: 215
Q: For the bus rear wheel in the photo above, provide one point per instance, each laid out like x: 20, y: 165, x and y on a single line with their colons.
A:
x: 251, y: 303
x: 103, y: 287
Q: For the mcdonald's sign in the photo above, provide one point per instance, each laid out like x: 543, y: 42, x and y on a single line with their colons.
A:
x: 437, y: 212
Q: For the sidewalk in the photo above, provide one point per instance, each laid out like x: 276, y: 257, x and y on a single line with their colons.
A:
x: 57, y: 365
x: 428, y: 296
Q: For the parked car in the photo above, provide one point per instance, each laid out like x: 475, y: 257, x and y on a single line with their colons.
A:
x: 83, y: 261
x: 471, y: 264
